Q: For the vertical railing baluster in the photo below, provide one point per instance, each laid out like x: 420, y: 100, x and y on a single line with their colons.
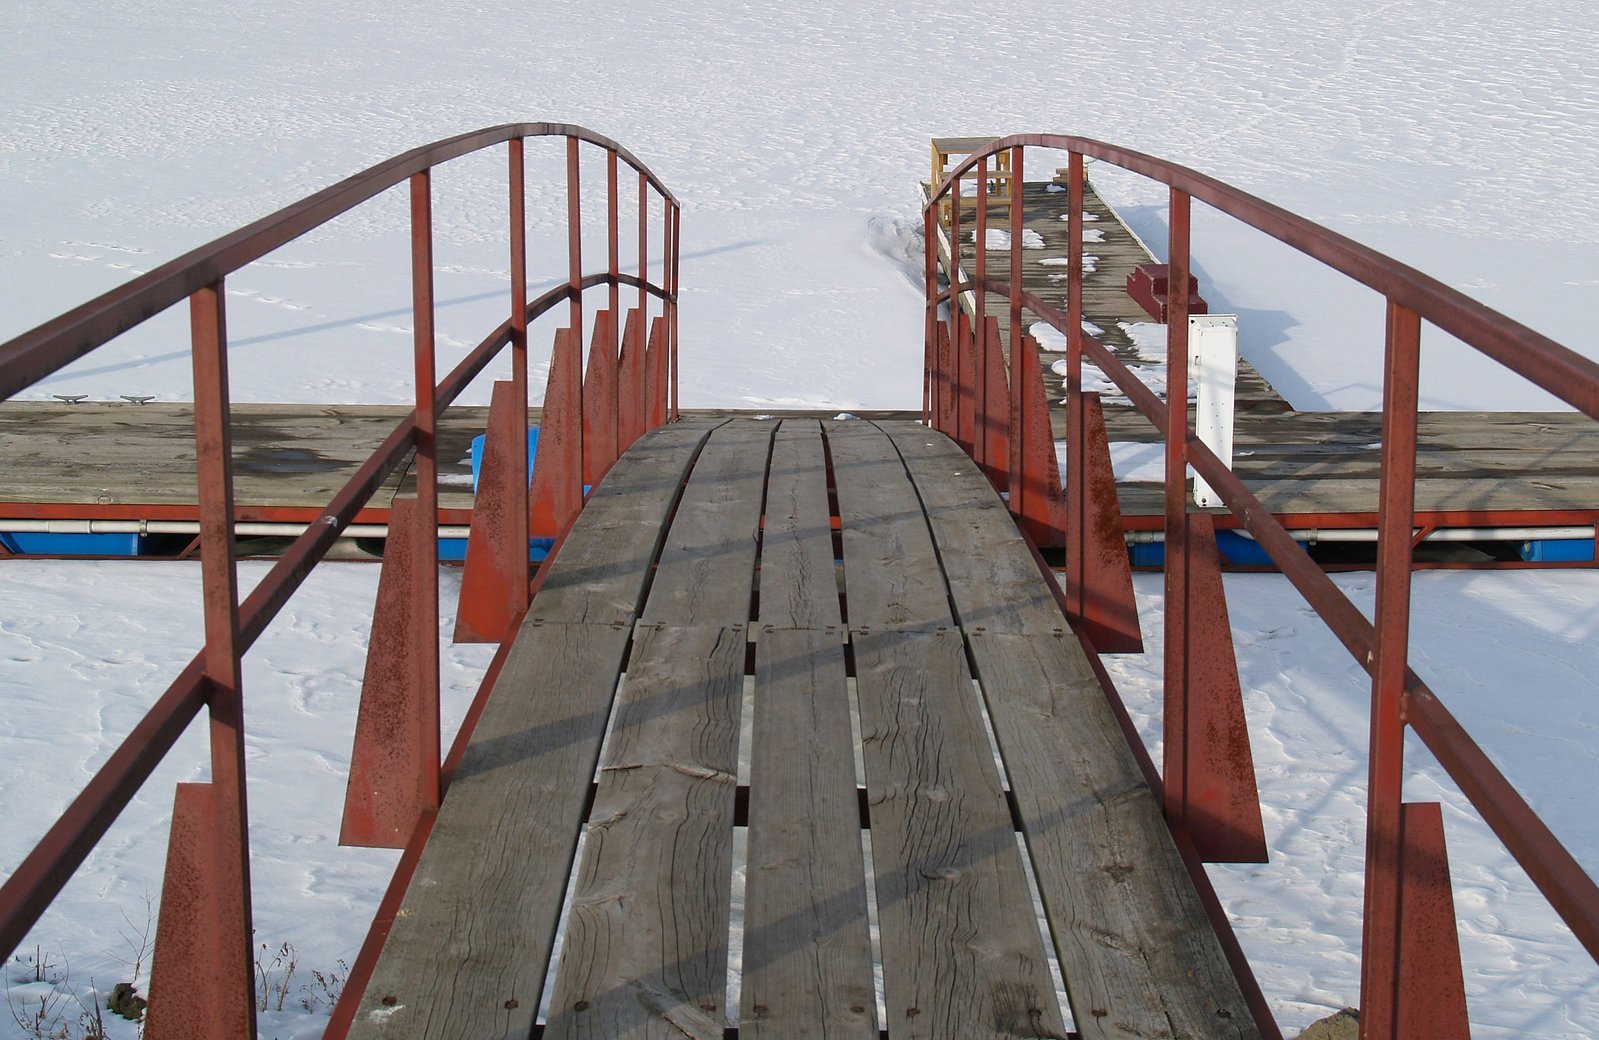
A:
x: 671, y: 325
x: 1379, y: 975
x: 1077, y: 440
x: 957, y: 387
x: 1018, y: 219
x: 611, y: 234
x: 518, y: 447
x: 643, y: 250
x: 980, y: 316
x: 213, y: 441
x: 931, y: 373
x: 426, y: 657
x: 574, y: 239
x: 1178, y: 587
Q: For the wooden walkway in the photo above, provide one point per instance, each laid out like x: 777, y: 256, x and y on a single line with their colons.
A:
x: 919, y: 725
x: 1111, y: 252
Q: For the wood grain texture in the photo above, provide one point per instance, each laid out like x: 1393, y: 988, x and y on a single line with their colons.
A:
x: 470, y: 947
x: 1138, y: 953
x: 981, y: 551
x: 603, y: 564
x: 807, y: 955
x: 799, y: 583
x: 708, y: 561
x: 891, y: 575
x: 645, y: 953
x: 807, y: 968
x: 962, y: 954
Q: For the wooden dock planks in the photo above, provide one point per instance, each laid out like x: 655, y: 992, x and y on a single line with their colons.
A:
x: 807, y: 968
x: 948, y: 623
x: 647, y: 941
x: 471, y: 944
x: 952, y: 894
x: 124, y: 461
x: 1136, y: 950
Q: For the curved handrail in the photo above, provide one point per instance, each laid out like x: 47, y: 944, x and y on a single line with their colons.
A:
x: 58, y: 342
x: 1552, y: 366
x: 234, y: 623
x: 1401, y: 698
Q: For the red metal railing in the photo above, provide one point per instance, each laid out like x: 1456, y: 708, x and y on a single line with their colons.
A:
x: 1400, y: 699
x: 220, y: 949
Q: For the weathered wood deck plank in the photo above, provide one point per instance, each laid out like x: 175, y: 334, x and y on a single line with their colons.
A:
x: 1138, y: 954
x: 962, y: 953
x: 645, y: 953
x: 884, y: 536
x: 807, y: 953
x: 468, y: 952
x: 798, y: 581
x: 708, y: 562
x: 605, y: 560
x: 978, y: 545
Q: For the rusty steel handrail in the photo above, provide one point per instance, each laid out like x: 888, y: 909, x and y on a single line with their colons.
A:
x: 233, y: 626
x: 1401, y: 699
x: 44, y: 350
x: 1527, y: 352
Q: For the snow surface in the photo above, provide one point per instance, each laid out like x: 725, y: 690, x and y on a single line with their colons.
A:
x: 1444, y: 134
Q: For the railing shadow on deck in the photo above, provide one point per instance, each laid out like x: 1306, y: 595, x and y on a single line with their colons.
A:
x: 956, y: 401
x: 203, y: 943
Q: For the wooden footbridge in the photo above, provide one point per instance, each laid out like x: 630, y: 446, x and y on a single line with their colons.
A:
x: 887, y: 602
x: 794, y: 707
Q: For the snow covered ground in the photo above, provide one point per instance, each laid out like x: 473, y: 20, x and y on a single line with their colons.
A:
x: 1456, y: 137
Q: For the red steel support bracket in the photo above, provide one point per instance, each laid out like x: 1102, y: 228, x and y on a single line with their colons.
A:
x: 995, y: 410
x: 1035, y: 498
x: 965, y: 381
x: 943, y: 385
x: 1096, y: 549
x: 494, y: 578
x: 1209, y: 770
x: 394, y: 765
x: 193, y: 995
x: 655, y: 376
x: 557, y: 494
x: 631, y: 407
x: 600, y: 388
x: 1431, y: 997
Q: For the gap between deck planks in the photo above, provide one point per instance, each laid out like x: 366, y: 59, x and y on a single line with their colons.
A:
x: 939, y: 592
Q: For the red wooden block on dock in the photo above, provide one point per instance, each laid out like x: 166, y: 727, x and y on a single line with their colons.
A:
x: 1149, y: 286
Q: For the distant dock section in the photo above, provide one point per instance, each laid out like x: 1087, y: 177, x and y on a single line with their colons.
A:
x: 1522, y: 480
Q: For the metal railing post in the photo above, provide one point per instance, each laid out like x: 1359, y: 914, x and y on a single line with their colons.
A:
x: 957, y: 347
x: 1379, y: 975
x: 518, y: 449
x: 980, y: 317
x: 1076, y: 458
x: 671, y: 325
x: 574, y: 239
x: 1178, y: 587
x: 1017, y: 342
x: 931, y: 371
x: 223, y: 668
x: 426, y: 661
x: 614, y: 264
x: 643, y: 249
